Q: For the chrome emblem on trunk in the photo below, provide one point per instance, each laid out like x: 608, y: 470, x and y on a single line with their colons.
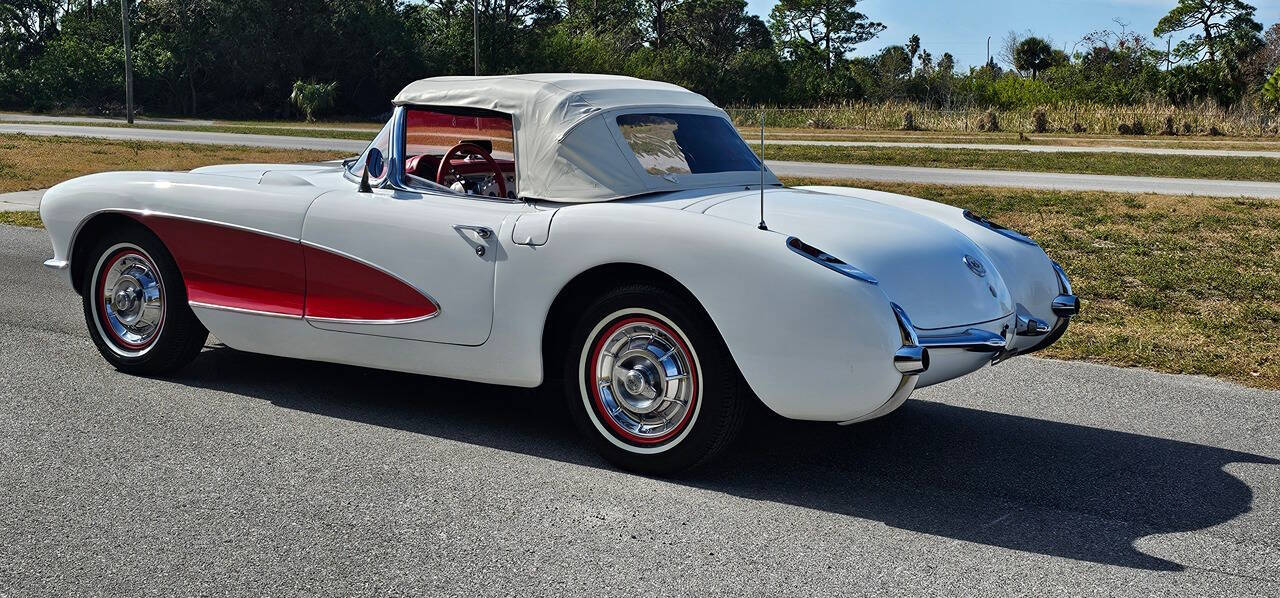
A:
x: 975, y: 266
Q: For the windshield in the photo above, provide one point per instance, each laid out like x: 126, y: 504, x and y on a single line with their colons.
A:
x: 677, y: 143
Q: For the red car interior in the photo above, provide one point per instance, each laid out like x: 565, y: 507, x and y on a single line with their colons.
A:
x: 425, y: 166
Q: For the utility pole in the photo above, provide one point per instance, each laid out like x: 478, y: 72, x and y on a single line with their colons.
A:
x: 475, y: 32
x: 988, y: 50
x: 128, y: 61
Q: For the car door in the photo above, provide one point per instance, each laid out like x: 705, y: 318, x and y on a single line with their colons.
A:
x: 404, y: 264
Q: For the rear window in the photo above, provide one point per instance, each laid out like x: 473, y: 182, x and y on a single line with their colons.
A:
x: 686, y: 144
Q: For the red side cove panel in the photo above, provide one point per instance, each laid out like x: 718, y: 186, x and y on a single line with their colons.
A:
x: 342, y: 288
x: 234, y: 268
x: 241, y: 269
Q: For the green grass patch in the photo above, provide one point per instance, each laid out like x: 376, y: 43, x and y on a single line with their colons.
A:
x: 24, y: 218
x: 1113, y: 163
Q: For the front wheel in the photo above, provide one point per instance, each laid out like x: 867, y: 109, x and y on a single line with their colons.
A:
x: 650, y: 381
x: 135, y: 305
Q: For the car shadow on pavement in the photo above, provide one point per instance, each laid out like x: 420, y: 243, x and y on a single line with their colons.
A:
x: 1002, y: 480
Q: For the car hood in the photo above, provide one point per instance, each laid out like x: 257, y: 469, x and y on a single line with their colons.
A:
x: 918, y: 261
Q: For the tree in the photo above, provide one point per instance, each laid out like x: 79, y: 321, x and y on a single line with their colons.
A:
x: 312, y: 98
x: 1217, y: 25
x: 829, y: 29
x: 1033, y: 54
x: 947, y: 64
x: 1271, y: 92
x: 913, y: 46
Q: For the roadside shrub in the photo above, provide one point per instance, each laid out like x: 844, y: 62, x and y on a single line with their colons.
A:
x: 989, y: 122
x: 1214, y: 131
x: 1078, y: 128
x: 1138, y: 128
x: 1124, y: 129
x: 818, y: 122
x: 1168, y: 126
x: 1186, y: 128
x: 313, y: 98
x: 1039, y: 121
x: 908, y: 121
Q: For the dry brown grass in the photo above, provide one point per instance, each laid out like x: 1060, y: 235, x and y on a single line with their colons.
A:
x: 28, y: 162
x: 1172, y: 283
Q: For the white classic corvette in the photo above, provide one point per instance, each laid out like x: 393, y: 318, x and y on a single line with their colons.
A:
x: 600, y: 236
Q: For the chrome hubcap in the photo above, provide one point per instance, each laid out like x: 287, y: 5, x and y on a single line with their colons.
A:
x: 643, y: 380
x: 132, y: 300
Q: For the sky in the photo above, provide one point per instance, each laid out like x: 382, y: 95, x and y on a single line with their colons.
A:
x: 961, y: 27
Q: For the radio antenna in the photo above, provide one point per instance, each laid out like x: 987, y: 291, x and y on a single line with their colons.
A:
x: 762, y: 224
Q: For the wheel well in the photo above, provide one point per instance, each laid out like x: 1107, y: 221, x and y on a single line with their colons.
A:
x: 87, y: 238
x: 586, y: 286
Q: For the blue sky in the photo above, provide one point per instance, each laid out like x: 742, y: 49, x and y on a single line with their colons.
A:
x: 962, y: 26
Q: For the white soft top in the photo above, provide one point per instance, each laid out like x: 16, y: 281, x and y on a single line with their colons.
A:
x: 566, y: 149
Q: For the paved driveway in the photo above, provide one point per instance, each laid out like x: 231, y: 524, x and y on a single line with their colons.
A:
x: 253, y: 475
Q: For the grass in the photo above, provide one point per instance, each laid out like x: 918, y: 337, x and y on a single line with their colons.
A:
x: 1176, y: 284
x: 29, y: 162
x: 1244, y: 119
x: 1070, y: 139
x: 1107, y: 163
x: 23, y: 218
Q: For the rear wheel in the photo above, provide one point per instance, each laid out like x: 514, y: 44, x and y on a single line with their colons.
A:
x: 135, y: 304
x: 649, y: 380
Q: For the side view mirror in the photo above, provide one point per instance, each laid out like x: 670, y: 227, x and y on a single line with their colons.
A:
x: 374, y: 166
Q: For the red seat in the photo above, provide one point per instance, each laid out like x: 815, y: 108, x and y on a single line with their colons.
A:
x: 425, y: 166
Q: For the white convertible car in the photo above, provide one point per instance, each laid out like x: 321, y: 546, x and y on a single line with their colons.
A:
x: 612, y: 239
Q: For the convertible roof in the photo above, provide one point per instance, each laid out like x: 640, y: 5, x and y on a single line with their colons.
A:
x: 564, y: 151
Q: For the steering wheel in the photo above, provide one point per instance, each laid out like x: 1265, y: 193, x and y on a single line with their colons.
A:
x: 446, y: 168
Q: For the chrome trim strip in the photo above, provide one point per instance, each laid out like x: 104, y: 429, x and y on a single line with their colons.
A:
x: 384, y: 271
x: 973, y: 339
x: 150, y: 212
x: 56, y: 264
x: 243, y: 310
x: 996, y: 228
x: 355, y: 321
x: 838, y: 265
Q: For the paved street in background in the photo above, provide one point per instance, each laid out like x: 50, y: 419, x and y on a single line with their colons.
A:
x: 246, y: 474
x: 905, y: 174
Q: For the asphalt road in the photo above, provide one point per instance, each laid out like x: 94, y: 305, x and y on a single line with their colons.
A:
x: 247, y: 474
x: 1029, y: 180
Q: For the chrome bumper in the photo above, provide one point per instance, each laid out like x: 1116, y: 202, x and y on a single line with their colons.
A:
x: 912, y: 358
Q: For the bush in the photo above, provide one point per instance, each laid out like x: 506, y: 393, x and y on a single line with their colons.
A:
x: 1039, y: 121
x: 1138, y: 128
x: 1124, y: 129
x: 989, y: 122
x: 1168, y: 126
x: 1078, y: 128
x: 313, y: 98
x: 908, y: 121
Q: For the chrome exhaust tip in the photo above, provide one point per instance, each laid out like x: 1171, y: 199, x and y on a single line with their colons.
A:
x: 911, y: 360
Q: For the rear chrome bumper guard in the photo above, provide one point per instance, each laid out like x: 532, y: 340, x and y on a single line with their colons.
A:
x: 912, y: 358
